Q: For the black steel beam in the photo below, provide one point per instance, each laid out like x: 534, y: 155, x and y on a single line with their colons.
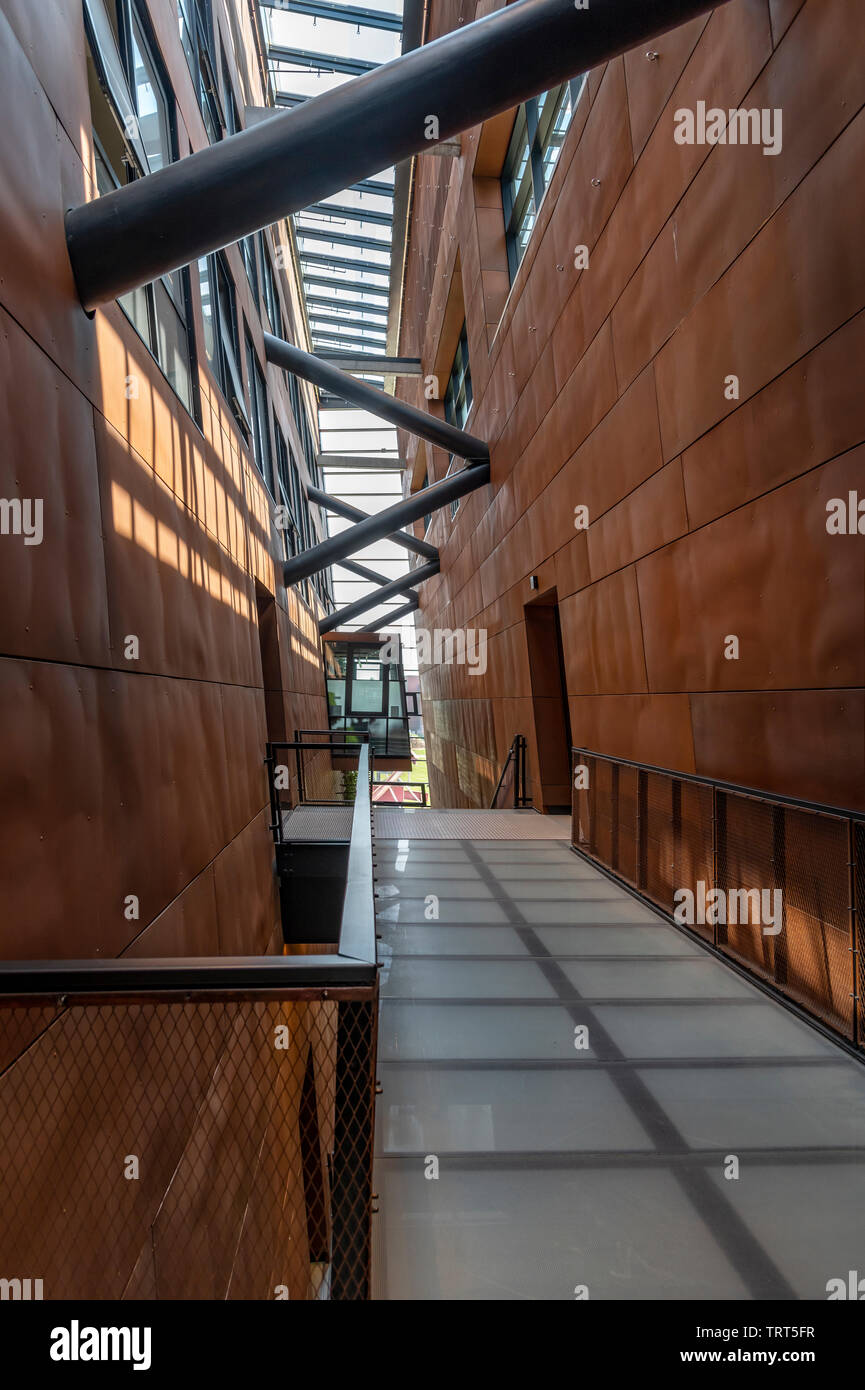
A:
x: 332, y: 262
x: 384, y: 463
x: 321, y: 233
x: 379, y: 596
x: 128, y: 975
x: 320, y: 62
x: 250, y: 180
x: 380, y: 186
x: 356, y: 286
x: 350, y: 513
x: 366, y: 397
x: 329, y: 302
x: 385, y: 524
x: 357, y: 214
x: 368, y: 330
x: 372, y: 364
x: 347, y: 14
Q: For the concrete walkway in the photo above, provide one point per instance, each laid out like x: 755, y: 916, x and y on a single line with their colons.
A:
x: 602, y: 1166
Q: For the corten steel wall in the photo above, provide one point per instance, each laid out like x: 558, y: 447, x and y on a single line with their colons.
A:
x: 122, y: 777
x: 606, y: 388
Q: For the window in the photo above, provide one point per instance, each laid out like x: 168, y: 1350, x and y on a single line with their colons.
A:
x: 247, y: 248
x: 133, y: 118
x: 271, y: 297
x: 458, y: 397
x: 428, y: 518
x: 258, y: 413
x: 284, y: 465
x: 196, y: 34
x: 539, y: 133
x: 221, y: 345
x: 232, y: 119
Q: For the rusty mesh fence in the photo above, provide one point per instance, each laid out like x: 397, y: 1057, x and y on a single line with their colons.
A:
x: 197, y: 1146
x: 776, y: 885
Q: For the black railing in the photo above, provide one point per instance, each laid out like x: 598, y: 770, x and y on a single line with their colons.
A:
x: 775, y: 884
x: 312, y: 771
x: 194, y: 1128
x: 511, y: 786
x: 419, y: 800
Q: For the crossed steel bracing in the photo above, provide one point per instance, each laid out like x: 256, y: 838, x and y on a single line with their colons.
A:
x: 342, y: 140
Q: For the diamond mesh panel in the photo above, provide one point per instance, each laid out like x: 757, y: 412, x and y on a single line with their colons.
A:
x: 693, y: 846
x: 601, y: 817
x: 212, y: 1148
x: 658, y: 840
x: 626, y: 809
x: 783, y: 873
x: 793, y: 866
x: 581, y: 820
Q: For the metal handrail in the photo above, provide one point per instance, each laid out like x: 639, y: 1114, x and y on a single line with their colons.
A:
x: 392, y: 804
x: 297, y: 743
x: 821, y: 807
x: 516, y: 754
x: 823, y: 1004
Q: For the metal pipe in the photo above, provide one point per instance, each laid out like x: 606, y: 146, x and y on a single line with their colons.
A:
x: 406, y: 417
x: 385, y: 524
x: 363, y: 605
x: 303, y: 155
x: 350, y: 513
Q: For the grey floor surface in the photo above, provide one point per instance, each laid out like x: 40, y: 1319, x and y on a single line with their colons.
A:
x: 585, y: 1080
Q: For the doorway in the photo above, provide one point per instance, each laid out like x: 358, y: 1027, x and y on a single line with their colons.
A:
x: 551, y: 780
x: 271, y: 667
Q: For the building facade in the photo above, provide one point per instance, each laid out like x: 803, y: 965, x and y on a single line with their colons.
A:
x: 661, y: 339
x: 149, y: 645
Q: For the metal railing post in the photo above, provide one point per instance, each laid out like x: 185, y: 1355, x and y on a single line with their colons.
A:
x: 854, y: 926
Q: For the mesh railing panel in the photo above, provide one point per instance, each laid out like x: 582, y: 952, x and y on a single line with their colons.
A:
x: 771, y: 883
x: 745, y: 866
x: 581, y: 809
x: 626, y: 822
x: 693, y: 846
x: 857, y: 884
x: 204, y: 1148
x: 659, y: 862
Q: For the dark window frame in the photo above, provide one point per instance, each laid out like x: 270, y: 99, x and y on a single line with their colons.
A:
x: 167, y: 301
x: 259, y: 413
x: 269, y: 288
x: 225, y: 363
x: 528, y: 166
x: 198, y: 40
x: 459, y: 397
